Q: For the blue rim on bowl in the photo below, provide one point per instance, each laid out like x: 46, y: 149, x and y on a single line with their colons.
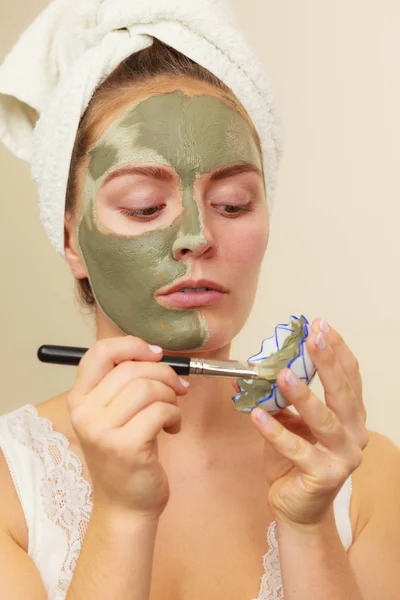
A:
x: 301, y: 364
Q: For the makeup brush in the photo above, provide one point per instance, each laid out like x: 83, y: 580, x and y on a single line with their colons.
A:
x: 182, y: 365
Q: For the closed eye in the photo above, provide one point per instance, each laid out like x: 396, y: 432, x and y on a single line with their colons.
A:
x: 233, y: 210
x: 143, y: 214
x: 152, y: 212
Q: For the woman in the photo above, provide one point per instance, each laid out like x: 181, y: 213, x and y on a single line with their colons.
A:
x: 137, y: 483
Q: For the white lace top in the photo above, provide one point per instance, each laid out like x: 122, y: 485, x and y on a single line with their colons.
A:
x: 56, y: 501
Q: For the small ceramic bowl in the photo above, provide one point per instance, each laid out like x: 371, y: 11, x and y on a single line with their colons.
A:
x: 273, y: 401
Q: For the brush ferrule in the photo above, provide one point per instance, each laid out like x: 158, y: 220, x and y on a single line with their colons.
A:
x: 221, y: 368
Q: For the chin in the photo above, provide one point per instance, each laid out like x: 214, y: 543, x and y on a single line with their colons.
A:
x: 222, y: 332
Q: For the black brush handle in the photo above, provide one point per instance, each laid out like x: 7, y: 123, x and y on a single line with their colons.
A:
x: 71, y: 355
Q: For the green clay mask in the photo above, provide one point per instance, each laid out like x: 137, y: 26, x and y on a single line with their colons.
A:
x: 255, y: 389
x: 193, y: 135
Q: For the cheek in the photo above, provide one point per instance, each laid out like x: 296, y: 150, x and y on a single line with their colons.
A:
x: 246, y: 246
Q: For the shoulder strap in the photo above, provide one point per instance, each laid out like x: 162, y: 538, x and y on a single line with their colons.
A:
x: 341, y: 507
x: 24, y: 465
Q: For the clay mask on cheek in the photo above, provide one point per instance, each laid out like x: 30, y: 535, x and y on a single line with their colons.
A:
x: 194, y: 135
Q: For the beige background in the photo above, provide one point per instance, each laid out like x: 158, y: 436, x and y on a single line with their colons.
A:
x: 334, y: 248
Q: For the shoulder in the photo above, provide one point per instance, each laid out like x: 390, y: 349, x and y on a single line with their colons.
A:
x: 379, y: 446
x: 374, y: 480
x: 374, y: 555
x: 381, y: 459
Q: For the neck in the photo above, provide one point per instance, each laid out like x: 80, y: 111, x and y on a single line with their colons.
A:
x: 208, y: 411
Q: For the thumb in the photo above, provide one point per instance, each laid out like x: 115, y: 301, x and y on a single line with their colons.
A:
x: 235, y: 385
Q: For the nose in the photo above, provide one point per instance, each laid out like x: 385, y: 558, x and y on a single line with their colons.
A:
x: 193, y: 236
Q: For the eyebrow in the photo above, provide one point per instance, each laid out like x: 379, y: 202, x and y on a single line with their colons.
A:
x: 229, y: 171
x: 163, y: 175
x: 149, y: 171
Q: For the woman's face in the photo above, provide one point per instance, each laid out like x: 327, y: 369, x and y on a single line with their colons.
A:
x: 173, y: 194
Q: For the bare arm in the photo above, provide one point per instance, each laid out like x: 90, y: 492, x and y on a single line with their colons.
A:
x: 375, y: 554
x: 116, y: 558
x: 115, y: 562
x: 19, y: 577
x: 314, y: 564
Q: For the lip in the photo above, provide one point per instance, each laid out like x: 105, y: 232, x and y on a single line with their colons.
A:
x: 191, y: 283
x: 173, y: 297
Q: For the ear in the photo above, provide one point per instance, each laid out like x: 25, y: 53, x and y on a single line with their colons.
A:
x: 71, y: 249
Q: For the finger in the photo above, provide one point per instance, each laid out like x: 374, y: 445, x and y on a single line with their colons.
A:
x: 291, y: 446
x: 134, y: 398
x: 235, y: 385
x: 321, y: 419
x: 105, y: 355
x: 148, y: 423
x: 339, y: 395
x: 348, y: 361
x: 129, y: 371
x: 324, y: 469
x: 295, y: 423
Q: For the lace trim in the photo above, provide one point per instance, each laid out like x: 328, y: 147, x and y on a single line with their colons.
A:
x: 271, y: 581
x: 66, y: 495
x: 67, y: 502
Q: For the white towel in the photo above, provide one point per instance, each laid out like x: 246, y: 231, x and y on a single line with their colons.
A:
x: 48, y: 78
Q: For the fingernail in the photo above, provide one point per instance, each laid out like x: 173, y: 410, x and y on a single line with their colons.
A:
x: 261, y: 415
x: 320, y: 341
x: 184, y: 382
x: 324, y: 326
x: 155, y: 349
x: 291, y: 378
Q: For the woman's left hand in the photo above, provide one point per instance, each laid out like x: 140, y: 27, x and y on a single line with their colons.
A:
x: 309, y: 457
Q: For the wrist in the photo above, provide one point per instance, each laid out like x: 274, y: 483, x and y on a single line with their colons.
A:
x: 319, y: 530
x: 122, y: 518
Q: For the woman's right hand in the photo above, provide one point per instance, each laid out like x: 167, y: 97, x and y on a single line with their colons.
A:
x: 121, y: 399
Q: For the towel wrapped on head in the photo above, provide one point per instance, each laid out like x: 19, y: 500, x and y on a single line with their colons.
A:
x: 50, y: 75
